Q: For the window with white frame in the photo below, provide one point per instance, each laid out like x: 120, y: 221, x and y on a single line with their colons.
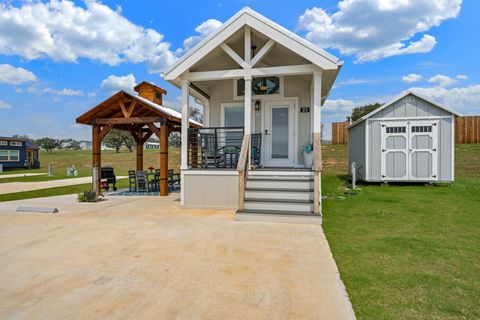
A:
x: 15, y: 143
x: 9, y: 155
x: 3, y: 143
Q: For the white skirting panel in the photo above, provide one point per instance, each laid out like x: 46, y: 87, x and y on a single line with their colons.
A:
x: 215, y: 189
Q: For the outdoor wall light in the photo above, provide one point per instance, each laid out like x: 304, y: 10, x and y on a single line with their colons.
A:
x: 257, y: 105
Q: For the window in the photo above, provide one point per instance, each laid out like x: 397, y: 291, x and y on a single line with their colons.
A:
x: 15, y: 143
x: 3, y: 143
x: 158, y: 95
x: 396, y: 129
x: 260, y: 86
x: 9, y: 155
x: 421, y: 128
x: 234, y: 116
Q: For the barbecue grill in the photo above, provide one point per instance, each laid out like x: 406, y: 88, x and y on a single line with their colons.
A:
x: 108, y: 174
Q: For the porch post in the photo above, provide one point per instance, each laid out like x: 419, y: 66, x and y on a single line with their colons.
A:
x: 163, y: 140
x: 248, y: 105
x: 139, y: 151
x: 96, y: 159
x: 317, y: 151
x: 185, y: 125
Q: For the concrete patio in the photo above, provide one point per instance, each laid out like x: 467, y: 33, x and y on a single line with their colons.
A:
x: 145, y: 258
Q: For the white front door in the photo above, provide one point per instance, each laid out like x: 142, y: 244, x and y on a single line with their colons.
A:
x: 409, y: 150
x: 279, y: 133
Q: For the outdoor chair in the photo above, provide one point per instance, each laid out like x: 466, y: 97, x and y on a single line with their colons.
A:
x: 173, y: 178
x: 256, y: 142
x: 154, y: 184
x: 142, y: 181
x: 211, y: 154
x: 132, y: 181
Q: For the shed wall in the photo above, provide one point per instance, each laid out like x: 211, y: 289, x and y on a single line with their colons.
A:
x: 22, y: 155
x: 356, y: 148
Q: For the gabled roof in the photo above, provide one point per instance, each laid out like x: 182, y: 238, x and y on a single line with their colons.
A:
x: 149, y: 108
x: 249, y: 17
x: 400, y: 97
x: 149, y: 84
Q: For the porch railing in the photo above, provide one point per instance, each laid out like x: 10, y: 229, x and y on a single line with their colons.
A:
x: 214, y: 147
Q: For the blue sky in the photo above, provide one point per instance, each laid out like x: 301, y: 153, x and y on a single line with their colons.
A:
x: 58, y: 59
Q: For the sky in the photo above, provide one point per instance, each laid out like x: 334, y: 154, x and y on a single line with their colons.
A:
x: 60, y: 58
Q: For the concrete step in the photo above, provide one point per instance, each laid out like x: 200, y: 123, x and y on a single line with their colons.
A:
x: 279, y: 177
x: 277, y: 216
x: 284, y: 205
x: 277, y: 183
x: 291, y: 194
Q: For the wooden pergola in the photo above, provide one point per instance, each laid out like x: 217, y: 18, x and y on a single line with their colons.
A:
x: 142, y: 116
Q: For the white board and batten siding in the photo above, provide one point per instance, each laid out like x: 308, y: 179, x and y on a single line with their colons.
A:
x: 409, y: 139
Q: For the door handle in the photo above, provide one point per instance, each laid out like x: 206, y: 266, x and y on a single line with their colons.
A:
x: 266, y: 132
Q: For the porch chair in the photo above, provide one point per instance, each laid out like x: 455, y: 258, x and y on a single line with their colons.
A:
x: 211, y: 154
x: 155, y: 183
x: 256, y: 141
x: 142, y: 181
x: 132, y: 181
x: 173, y: 178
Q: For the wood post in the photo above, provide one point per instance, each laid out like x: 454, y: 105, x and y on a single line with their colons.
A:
x: 96, y: 159
x: 139, y: 141
x: 194, y: 150
x: 163, y: 159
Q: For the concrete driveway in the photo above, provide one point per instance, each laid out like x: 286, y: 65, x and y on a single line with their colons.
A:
x: 145, y: 258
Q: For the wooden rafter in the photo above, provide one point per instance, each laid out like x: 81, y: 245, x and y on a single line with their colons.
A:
x: 104, y: 131
x: 130, y: 109
x: 134, y: 120
x: 154, y: 129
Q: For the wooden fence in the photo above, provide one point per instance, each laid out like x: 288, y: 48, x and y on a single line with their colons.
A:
x: 340, y: 132
x: 467, y: 129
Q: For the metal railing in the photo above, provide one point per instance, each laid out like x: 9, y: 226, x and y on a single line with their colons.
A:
x: 214, y: 147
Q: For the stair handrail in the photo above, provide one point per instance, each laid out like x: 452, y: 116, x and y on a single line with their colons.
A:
x: 242, y: 168
x: 317, y: 169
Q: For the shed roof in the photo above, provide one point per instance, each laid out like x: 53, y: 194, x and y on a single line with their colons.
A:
x: 146, y: 108
x: 401, y: 96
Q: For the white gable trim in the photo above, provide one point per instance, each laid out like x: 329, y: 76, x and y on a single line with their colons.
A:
x: 258, y: 22
x: 400, y: 97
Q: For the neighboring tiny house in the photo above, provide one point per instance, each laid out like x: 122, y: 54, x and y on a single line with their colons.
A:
x: 18, y: 153
x: 410, y: 139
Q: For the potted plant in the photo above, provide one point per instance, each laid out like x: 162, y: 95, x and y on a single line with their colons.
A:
x: 87, y: 196
x: 308, y: 155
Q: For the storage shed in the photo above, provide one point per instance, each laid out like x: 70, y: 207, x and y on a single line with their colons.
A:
x: 410, y: 139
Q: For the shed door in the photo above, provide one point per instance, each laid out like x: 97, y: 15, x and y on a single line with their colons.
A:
x: 394, y: 161
x: 423, y: 150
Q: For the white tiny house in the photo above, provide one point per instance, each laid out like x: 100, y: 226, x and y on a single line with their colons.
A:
x: 410, y: 139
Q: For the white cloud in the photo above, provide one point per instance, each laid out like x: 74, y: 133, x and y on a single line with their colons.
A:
x: 442, y: 80
x: 115, y: 83
x: 12, y: 75
x: 374, y: 29
x: 412, y: 77
x: 64, y: 92
x: 63, y: 31
x: 462, y: 99
x: 4, y: 105
x: 462, y: 76
x: 204, y: 29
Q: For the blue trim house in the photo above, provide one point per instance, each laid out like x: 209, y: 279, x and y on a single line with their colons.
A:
x: 18, y: 153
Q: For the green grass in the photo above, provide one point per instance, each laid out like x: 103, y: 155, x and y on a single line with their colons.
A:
x: 407, y: 252
x: 82, y: 159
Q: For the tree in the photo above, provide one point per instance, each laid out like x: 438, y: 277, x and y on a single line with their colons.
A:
x: 71, y: 144
x: 359, y: 112
x: 117, y: 138
x: 175, y: 140
x: 196, y: 114
x: 48, y: 144
x: 22, y: 136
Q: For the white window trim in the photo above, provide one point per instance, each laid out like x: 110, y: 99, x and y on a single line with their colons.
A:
x: 280, y: 94
x: 3, y: 143
x: 230, y: 105
x: 16, y: 143
x: 9, y: 155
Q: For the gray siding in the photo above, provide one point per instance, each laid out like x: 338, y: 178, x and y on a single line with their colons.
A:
x: 410, y: 106
x: 356, y: 148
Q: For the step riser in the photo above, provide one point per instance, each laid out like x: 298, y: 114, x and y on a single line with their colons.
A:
x: 280, y: 184
x: 306, y: 178
x: 280, y: 173
x: 281, y: 195
x: 276, y: 206
x: 278, y: 218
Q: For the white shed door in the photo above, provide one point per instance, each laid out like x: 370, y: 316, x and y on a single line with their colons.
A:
x: 394, y: 162
x: 409, y: 151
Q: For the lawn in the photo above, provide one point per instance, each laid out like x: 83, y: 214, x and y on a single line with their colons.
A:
x: 82, y: 160
x: 407, y: 252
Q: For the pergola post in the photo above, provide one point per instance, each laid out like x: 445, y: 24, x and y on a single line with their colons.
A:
x: 163, y: 139
x: 139, y: 150
x: 96, y: 159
